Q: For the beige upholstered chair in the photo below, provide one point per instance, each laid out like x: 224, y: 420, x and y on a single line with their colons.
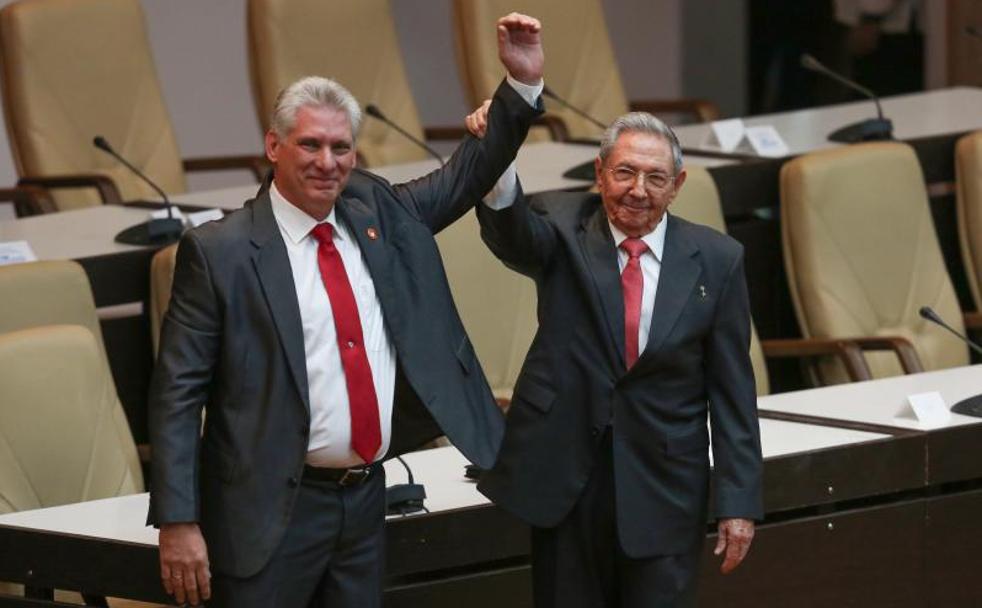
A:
x: 47, y: 293
x: 968, y: 171
x: 161, y: 279
x: 497, y: 305
x: 290, y: 39
x: 862, y: 257
x: 74, y: 69
x: 581, y: 66
x: 698, y: 201
x: 56, y: 391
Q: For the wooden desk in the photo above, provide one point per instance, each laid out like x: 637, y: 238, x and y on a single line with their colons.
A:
x: 467, y: 552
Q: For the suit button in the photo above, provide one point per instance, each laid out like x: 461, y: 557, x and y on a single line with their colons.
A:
x: 292, y: 482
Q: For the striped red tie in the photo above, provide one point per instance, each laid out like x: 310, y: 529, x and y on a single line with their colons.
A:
x: 366, y: 432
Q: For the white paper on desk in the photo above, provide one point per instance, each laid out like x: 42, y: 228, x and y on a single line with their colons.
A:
x: 763, y: 140
x: 16, y: 252
x: 201, y: 217
x: 161, y: 214
x: 725, y: 134
x: 929, y: 409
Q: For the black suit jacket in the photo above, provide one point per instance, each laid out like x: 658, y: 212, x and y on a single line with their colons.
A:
x: 232, y: 338
x: 574, y: 382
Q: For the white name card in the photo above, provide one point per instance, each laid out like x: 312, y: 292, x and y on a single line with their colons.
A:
x: 201, y: 217
x: 725, y: 134
x: 764, y: 141
x: 929, y: 409
x: 16, y: 252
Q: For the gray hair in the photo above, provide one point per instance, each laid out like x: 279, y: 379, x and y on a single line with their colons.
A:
x: 641, y: 122
x: 314, y: 91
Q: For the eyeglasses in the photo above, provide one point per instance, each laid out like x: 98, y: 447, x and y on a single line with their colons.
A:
x: 653, y: 182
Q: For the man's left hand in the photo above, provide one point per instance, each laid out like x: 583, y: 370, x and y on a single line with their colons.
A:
x: 735, y: 536
x: 520, y: 47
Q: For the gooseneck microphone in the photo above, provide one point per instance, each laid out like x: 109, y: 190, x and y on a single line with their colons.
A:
x: 871, y: 129
x: 928, y: 313
x: 157, y: 231
x: 971, y: 406
x: 582, y: 114
x: 373, y: 111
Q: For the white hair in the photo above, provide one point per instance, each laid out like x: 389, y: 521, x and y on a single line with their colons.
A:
x: 641, y: 122
x: 313, y: 91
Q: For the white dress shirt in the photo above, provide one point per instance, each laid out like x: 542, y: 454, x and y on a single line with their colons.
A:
x: 330, y: 417
x: 650, y: 271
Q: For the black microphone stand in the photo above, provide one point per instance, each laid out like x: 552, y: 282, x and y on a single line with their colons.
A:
x: 156, y: 231
x: 871, y: 129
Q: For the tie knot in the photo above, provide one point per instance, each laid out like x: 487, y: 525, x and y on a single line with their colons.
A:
x: 634, y: 247
x: 324, y: 233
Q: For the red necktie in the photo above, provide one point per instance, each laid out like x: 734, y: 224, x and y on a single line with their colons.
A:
x: 366, y: 433
x: 632, y: 283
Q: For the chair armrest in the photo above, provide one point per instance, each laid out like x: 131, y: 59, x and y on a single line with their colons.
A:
x: 103, y: 184
x: 444, y: 133
x: 28, y: 200
x: 555, y: 125
x: 848, y: 352
x: 703, y: 110
x: 257, y: 164
x: 973, y: 320
x: 909, y: 360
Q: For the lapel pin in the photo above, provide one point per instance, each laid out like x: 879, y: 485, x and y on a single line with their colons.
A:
x: 702, y: 291
x: 372, y: 233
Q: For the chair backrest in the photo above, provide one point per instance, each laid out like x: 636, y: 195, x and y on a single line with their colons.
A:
x: 47, y: 293
x: 581, y: 67
x: 862, y: 255
x: 74, y: 69
x: 698, y: 201
x: 353, y: 43
x: 63, y: 434
x: 497, y: 305
x: 968, y: 172
x: 161, y: 280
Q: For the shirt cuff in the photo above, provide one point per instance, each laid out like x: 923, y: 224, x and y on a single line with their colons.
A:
x: 503, y: 194
x: 529, y: 92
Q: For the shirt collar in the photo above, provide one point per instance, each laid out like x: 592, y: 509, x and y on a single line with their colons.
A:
x: 294, y: 221
x: 655, y: 240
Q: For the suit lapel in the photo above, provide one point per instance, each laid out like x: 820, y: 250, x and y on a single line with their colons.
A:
x: 598, y: 249
x: 272, y: 266
x: 364, y: 225
x: 679, y: 272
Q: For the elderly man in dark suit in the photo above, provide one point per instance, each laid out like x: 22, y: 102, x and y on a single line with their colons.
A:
x: 644, y: 330
x: 318, y: 327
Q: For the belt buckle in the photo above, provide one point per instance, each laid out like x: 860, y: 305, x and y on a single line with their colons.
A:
x: 353, y: 476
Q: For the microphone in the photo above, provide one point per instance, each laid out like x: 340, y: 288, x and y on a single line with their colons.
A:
x: 156, y: 231
x: 871, y: 129
x: 552, y: 95
x: 405, y: 498
x: 971, y: 406
x: 373, y: 111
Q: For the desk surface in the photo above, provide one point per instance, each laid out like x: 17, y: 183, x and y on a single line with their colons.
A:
x: 879, y: 401
x: 916, y: 115
x: 76, y: 234
x: 441, y: 471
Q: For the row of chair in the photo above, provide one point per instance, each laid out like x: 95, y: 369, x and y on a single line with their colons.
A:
x: 73, y: 69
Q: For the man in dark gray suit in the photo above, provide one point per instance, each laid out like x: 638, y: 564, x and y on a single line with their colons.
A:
x: 318, y: 327
x: 644, y: 330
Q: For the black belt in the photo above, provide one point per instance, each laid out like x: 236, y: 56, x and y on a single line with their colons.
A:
x: 343, y: 477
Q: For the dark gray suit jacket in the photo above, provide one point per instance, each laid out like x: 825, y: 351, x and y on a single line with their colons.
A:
x: 232, y: 338
x: 574, y: 382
